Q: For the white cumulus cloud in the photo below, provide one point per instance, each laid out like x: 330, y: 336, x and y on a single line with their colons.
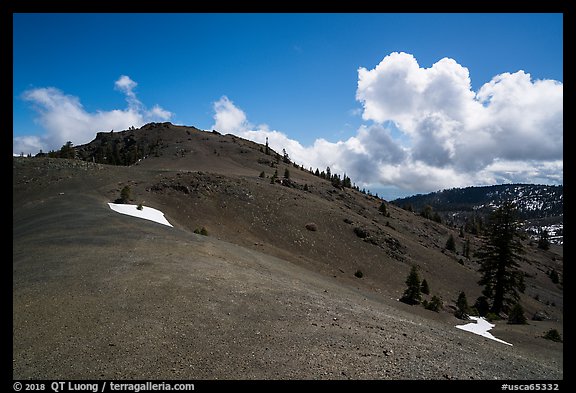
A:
x: 64, y: 118
x: 426, y: 129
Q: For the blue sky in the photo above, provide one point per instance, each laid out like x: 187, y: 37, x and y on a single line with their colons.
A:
x: 404, y: 103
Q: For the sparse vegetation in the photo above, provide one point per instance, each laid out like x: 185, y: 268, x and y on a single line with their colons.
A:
x: 140, y: 207
x: 358, y: 274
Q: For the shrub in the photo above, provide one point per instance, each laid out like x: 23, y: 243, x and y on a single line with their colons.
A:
x: 125, y: 194
x: 553, y: 274
x: 359, y: 274
x: 516, y: 316
x: 435, y: 304
x: 553, y: 335
x: 361, y: 232
x: 492, y: 317
x: 140, y: 207
x: 201, y: 231
x: 262, y: 174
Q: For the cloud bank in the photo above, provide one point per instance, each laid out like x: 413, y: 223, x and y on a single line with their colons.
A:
x: 426, y: 129
x: 64, y: 118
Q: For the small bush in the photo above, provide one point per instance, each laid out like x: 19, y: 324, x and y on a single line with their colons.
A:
x: 490, y: 317
x: 516, y: 316
x: 139, y: 207
x: 262, y: 174
x: 553, y: 335
x: 125, y: 194
x: 435, y: 304
x: 201, y: 231
x: 359, y: 274
x: 362, y: 233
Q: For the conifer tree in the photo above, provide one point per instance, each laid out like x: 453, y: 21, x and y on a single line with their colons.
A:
x: 451, y: 243
x: 425, y: 288
x: 462, y: 308
x: 543, y: 240
x: 382, y: 208
x: 499, y: 257
x: 412, y: 294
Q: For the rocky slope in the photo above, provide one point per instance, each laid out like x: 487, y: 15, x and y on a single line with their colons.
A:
x: 270, y: 293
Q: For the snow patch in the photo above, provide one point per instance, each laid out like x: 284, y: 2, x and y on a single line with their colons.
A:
x: 481, y: 327
x: 147, y: 213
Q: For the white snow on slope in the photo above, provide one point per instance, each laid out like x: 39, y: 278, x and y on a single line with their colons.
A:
x: 147, y: 213
x: 481, y: 327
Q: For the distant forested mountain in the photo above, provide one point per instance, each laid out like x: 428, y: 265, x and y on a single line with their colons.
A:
x: 540, y: 206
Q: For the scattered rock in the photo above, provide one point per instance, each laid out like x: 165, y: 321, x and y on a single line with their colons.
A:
x: 541, y: 316
x: 312, y: 227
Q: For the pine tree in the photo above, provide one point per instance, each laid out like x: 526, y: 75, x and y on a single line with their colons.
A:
x: 481, y: 306
x: 543, y: 241
x: 466, y: 248
x: 412, y: 294
x: 382, y: 208
x: 425, y: 288
x: 451, y: 243
x: 66, y: 151
x: 427, y: 212
x: 286, y: 174
x: 462, y: 308
x: 499, y: 257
